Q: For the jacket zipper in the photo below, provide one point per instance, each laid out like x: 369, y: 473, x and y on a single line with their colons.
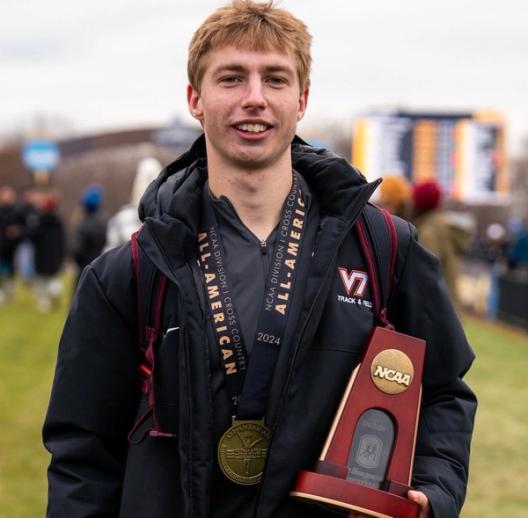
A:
x: 183, y: 343
x: 361, y: 205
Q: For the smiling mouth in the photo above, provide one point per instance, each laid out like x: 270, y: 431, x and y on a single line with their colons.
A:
x: 252, y: 128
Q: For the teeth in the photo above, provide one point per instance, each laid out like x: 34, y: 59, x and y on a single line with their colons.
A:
x: 254, y: 128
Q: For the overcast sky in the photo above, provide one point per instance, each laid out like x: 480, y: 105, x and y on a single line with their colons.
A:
x: 105, y: 64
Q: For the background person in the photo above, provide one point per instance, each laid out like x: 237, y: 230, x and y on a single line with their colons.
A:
x: 49, y: 243
x: 28, y: 205
x: 440, y: 233
x: 395, y: 195
x: 11, y: 232
x: 517, y: 252
x: 126, y: 220
x: 89, y: 236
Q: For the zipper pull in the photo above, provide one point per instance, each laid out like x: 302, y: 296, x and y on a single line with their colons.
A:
x: 264, y: 247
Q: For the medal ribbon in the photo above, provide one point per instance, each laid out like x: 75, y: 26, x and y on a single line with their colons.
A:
x: 249, y: 382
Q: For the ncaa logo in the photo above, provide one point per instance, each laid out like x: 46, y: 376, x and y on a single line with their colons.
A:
x: 355, y: 281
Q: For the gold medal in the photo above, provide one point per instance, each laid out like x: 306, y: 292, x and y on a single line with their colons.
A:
x: 242, y: 451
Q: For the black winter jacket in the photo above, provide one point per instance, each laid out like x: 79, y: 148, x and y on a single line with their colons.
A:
x: 95, y: 400
x: 49, y: 240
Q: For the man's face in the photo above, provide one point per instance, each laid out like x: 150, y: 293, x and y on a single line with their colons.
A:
x: 249, y: 105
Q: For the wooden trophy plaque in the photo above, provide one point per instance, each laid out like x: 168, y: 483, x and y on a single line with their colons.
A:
x: 366, y: 464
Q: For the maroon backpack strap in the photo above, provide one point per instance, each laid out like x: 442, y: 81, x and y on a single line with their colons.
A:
x: 136, y: 261
x: 379, y: 303
x: 150, y: 300
x: 393, y: 243
x: 366, y: 249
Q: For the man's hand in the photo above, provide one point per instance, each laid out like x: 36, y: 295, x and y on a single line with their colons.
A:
x: 422, y: 501
x: 415, y: 496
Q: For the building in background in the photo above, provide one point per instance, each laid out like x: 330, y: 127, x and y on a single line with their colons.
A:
x: 108, y: 158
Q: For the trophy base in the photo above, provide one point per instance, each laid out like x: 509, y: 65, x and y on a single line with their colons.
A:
x: 344, y: 496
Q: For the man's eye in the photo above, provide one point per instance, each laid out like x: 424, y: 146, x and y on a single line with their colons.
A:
x: 229, y: 79
x: 277, y: 80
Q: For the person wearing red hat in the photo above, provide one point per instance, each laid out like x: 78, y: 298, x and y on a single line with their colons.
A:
x: 49, y: 238
x: 437, y: 232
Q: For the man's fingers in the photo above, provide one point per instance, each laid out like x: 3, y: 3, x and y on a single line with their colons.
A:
x: 422, y: 500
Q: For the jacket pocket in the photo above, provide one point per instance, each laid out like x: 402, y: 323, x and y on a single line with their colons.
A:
x: 152, y: 468
x: 343, y: 328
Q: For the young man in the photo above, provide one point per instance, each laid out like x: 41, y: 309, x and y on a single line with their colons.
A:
x: 257, y: 333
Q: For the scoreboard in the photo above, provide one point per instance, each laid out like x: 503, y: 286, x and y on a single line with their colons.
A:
x: 464, y: 152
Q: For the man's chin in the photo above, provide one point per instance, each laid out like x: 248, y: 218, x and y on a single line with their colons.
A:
x: 254, y: 162
x: 258, y: 159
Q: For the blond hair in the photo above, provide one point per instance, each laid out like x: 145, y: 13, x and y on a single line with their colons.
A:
x: 253, y: 26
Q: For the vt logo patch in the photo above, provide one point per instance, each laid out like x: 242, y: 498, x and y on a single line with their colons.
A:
x: 355, y: 281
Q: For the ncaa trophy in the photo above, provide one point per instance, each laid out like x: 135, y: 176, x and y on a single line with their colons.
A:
x: 367, y: 460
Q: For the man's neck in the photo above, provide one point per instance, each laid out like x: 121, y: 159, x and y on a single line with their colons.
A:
x: 256, y: 195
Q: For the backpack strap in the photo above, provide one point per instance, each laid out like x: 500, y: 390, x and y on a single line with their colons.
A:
x: 393, y: 242
x: 151, y: 286
x: 380, y: 267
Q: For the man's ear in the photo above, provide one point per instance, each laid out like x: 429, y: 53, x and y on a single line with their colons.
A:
x: 303, y: 102
x: 194, y: 103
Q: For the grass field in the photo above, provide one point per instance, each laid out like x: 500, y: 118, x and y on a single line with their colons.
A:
x: 28, y: 342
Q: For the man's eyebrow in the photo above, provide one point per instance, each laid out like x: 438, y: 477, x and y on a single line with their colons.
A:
x: 279, y: 69
x: 229, y: 67
x: 234, y: 67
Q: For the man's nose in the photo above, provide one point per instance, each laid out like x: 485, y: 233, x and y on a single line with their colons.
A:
x: 254, y: 96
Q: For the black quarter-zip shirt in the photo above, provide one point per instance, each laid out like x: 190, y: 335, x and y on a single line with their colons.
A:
x: 247, y: 261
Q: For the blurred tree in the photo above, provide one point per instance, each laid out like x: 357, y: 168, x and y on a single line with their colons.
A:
x: 336, y: 136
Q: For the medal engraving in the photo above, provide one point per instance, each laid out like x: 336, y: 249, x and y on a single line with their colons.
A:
x: 242, y: 452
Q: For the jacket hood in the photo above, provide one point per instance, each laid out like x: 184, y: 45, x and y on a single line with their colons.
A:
x: 175, y: 197
x: 178, y: 186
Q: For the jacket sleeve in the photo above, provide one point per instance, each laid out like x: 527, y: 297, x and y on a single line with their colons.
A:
x: 94, y: 397
x: 419, y: 305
